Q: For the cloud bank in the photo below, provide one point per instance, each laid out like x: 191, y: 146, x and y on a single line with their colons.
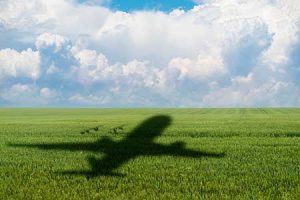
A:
x: 229, y: 53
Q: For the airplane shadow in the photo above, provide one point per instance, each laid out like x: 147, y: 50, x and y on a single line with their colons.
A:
x: 138, y: 143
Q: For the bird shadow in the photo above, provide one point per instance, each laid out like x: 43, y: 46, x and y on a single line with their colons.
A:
x: 139, y: 142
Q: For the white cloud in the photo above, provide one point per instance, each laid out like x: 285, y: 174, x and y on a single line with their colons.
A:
x: 22, y: 15
x: 247, y: 94
x: 47, y: 39
x: 58, y: 16
x: 48, y: 94
x: 18, y: 89
x: 29, y: 95
x: 177, y: 12
x: 94, y: 67
x: 87, y: 57
x: 222, y: 53
x: 88, y: 100
x: 52, y: 69
x: 204, y: 67
x: 19, y: 64
x: 241, y: 80
x: 18, y: 93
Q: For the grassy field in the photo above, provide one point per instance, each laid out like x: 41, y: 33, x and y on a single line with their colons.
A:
x: 176, y: 154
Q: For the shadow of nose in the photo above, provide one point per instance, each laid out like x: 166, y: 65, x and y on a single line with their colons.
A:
x: 160, y: 121
x: 152, y: 127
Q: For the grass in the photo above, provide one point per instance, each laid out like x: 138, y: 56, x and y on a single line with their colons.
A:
x: 261, y: 150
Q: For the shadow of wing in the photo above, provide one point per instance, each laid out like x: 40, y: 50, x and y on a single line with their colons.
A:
x: 61, y: 146
x: 177, y: 149
x: 100, y: 145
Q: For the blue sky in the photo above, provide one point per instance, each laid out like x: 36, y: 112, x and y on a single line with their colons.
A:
x: 68, y: 53
x: 166, y: 5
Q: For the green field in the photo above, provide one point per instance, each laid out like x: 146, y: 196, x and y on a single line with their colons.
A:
x: 199, y: 154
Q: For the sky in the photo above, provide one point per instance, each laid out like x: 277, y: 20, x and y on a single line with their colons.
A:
x: 173, y: 53
x: 166, y: 5
x: 136, y: 5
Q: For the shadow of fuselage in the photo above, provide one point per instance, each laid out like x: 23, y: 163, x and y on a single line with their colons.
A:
x: 140, y: 142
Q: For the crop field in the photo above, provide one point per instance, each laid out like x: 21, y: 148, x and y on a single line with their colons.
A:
x: 150, y: 153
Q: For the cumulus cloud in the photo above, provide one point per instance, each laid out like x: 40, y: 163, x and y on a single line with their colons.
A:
x: 18, y: 94
x: 271, y: 94
x: 17, y: 90
x: 52, y: 69
x: 94, y: 67
x: 48, y: 94
x: 89, y: 100
x: 29, y: 95
x: 202, y: 68
x: 220, y: 53
x: 19, y: 64
x: 47, y: 39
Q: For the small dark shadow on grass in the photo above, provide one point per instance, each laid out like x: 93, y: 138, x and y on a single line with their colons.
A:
x: 91, y: 130
x: 283, y: 135
x: 295, y: 134
x: 140, y: 142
